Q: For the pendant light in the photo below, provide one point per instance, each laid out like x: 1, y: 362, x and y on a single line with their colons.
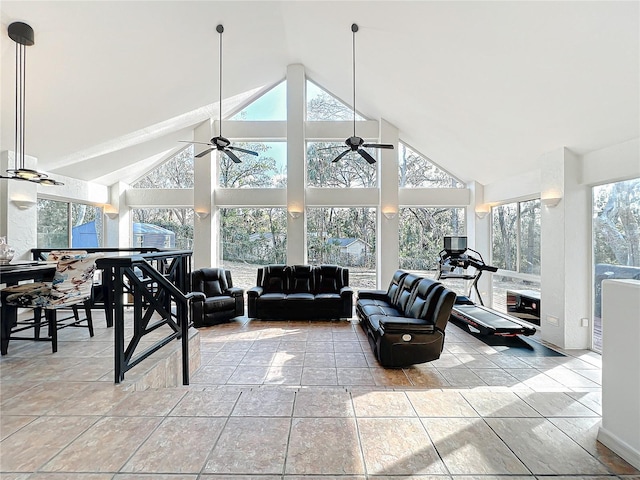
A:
x: 22, y: 34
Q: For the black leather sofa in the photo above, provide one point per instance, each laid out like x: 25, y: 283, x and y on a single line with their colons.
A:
x: 301, y: 292
x: 406, y: 324
x: 222, y: 300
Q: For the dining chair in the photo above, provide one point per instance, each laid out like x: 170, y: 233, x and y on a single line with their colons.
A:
x: 71, y: 286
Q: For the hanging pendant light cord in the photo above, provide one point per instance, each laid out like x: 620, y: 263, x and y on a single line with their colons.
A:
x: 220, y: 29
x: 354, y: 29
x: 21, y: 61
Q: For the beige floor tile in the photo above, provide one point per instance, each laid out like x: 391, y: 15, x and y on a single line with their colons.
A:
x: 147, y: 403
x: 96, y: 399
x: 265, y: 402
x: 154, y: 476
x: 71, y: 476
x: 284, y: 375
x: 324, y: 446
x: 390, y: 377
x: 250, y: 445
x: 192, y: 439
x: 468, y: 446
x: 248, y: 375
x: 351, y: 359
x: 499, y: 404
x: 323, y: 403
x: 584, y: 431
x: 347, y: 347
x: 212, y: 374
x: 41, y: 398
x: 110, y: 440
x: 556, y: 404
x: 320, y: 359
x: 35, y: 444
x: 383, y: 404
x: 319, y: 347
x: 496, y: 377
x: 258, y: 358
x: 461, y: 377
x: 319, y: 376
x: 204, y: 404
x: 289, y: 359
x: 570, y: 378
x: 355, y: 376
x: 397, y: 446
x: 426, y: 378
x: 10, y: 424
x: 591, y: 400
x: 228, y: 357
x: 440, y: 403
x: 543, y: 448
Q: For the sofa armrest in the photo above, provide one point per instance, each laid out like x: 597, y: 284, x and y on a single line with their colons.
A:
x: 235, y: 292
x: 255, y: 292
x: 374, y: 295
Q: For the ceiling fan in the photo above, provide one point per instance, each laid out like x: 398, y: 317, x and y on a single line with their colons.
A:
x: 220, y: 143
x: 355, y: 143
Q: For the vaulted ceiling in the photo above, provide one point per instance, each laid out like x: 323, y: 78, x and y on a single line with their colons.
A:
x: 481, y: 88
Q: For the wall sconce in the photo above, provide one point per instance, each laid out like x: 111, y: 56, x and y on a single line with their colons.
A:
x: 23, y: 203
x: 482, y: 211
x: 110, y: 211
x: 550, y: 202
x: 390, y: 214
x: 201, y: 214
x: 295, y: 213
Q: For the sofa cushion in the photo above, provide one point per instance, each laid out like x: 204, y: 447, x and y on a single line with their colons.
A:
x: 222, y: 302
x: 328, y: 279
x: 305, y: 297
x: 273, y: 297
x: 301, y: 279
x: 274, y: 279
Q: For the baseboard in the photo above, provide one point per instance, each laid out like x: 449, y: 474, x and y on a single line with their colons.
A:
x: 613, y: 443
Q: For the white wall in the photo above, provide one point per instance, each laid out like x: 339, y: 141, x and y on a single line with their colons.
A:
x: 620, y: 430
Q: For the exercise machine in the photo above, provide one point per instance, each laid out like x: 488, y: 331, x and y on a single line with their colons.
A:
x: 455, y: 261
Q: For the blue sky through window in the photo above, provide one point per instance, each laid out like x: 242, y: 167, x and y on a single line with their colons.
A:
x: 269, y: 107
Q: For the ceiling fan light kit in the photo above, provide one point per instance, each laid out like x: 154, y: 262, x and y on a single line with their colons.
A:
x: 221, y: 143
x: 22, y: 34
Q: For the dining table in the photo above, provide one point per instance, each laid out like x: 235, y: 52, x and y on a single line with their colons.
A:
x: 12, y: 274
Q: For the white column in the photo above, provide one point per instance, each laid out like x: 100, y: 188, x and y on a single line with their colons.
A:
x: 118, y: 221
x: 205, y: 228
x: 565, y: 252
x: 387, y: 234
x: 479, y: 235
x: 296, y: 165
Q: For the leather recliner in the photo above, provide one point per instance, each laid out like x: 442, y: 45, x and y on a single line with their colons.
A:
x: 222, y: 300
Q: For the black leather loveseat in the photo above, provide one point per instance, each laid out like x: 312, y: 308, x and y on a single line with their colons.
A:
x: 301, y: 292
x: 405, y: 324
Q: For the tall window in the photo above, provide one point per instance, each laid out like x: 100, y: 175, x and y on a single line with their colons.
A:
x: 162, y: 227
x: 322, y: 106
x: 515, y: 249
x: 250, y: 238
x: 344, y: 236
x: 616, y: 240
x: 270, y: 106
x: 65, y: 224
x: 352, y: 171
x: 421, y: 235
x: 268, y: 170
x: 177, y: 172
x: 418, y: 171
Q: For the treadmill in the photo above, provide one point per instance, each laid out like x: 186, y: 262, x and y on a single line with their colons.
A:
x: 454, y: 262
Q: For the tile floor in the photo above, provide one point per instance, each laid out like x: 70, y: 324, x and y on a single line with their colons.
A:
x: 302, y: 400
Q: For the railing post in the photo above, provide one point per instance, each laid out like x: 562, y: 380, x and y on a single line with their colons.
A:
x: 118, y: 310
